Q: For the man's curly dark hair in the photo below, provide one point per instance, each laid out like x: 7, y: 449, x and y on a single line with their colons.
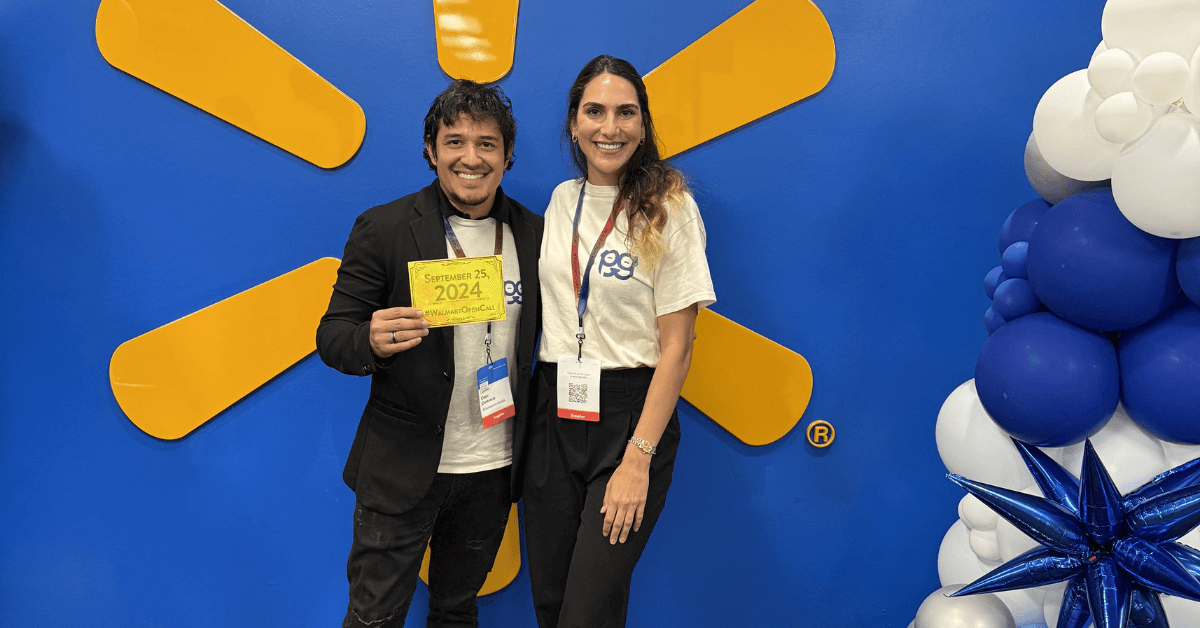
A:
x: 479, y: 102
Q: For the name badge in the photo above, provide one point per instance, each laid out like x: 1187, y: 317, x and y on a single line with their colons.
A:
x: 458, y: 291
x: 578, y: 388
x: 495, y: 394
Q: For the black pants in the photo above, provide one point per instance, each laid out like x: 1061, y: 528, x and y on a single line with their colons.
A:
x: 466, y: 515
x: 579, y: 579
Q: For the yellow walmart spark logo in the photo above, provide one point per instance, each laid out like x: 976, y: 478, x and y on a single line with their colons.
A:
x: 173, y: 379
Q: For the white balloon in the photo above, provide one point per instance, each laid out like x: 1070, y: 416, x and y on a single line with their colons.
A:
x: 1161, y: 78
x: 1178, y: 453
x: 1049, y: 183
x: 1111, y: 71
x: 1130, y: 455
x: 1123, y: 117
x: 976, y: 514
x: 1191, y: 97
x: 1156, y: 179
x: 983, y: 543
x: 1180, y: 612
x: 956, y: 562
x: 1070, y: 457
x: 969, y: 611
x: 1064, y: 125
x: 973, y: 446
x: 1053, y: 602
x: 1100, y: 47
x: 1144, y: 27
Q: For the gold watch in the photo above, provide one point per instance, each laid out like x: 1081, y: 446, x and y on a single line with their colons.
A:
x: 644, y: 445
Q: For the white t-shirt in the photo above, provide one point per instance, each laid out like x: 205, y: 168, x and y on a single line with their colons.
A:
x: 468, y: 447
x: 625, y: 299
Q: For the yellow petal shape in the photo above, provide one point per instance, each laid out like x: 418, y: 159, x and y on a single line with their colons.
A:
x: 750, y: 385
x: 202, y: 53
x: 767, y: 56
x: 171, y: 380
x: 475, y: 38
x: 508, y: 559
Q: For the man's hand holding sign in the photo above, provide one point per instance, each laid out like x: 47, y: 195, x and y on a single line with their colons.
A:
x: 396, y: 329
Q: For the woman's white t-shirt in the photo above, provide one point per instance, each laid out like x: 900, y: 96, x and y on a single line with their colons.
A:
x: 625, y: 298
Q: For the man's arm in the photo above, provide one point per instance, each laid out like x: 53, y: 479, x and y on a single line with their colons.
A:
x: 355, y: 334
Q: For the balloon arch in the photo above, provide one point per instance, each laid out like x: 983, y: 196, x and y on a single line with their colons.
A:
x: 1092, y: 361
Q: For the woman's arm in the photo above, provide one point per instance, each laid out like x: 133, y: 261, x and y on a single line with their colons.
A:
x: 625, y: 496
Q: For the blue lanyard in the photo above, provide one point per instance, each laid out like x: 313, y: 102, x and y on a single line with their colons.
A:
x: 458, y: 252
x: 581, y: 284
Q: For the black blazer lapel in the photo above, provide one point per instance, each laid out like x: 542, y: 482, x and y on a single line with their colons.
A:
x: 430, y: 235
x: 427, y: 229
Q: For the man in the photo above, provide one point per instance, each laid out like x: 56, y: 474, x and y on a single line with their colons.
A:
x: 422, y: 462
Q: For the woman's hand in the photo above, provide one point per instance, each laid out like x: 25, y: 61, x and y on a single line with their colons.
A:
x: 625, y: 495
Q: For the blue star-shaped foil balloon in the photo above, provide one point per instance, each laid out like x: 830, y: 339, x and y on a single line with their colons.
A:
x: 1118, y: 552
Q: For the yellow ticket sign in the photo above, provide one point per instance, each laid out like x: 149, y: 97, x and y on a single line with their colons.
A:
x: 458, y: 291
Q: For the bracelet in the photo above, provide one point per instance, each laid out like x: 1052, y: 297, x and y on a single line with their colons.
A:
x: 643, y: 445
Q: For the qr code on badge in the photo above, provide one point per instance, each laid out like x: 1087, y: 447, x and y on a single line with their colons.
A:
x: 577, y: 393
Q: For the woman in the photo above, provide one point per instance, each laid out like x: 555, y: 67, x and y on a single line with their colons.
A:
x: 593, y: 489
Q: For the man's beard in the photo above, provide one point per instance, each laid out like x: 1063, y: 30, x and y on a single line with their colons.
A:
x: 469, y: 202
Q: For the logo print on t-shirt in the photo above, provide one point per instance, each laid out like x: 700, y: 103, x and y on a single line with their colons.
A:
x: 512, y: 290
x: 617, y: 264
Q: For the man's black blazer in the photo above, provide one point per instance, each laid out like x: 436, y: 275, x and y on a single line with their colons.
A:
x: 396, y: 450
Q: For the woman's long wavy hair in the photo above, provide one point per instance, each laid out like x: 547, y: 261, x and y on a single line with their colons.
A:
x: 647, y: 182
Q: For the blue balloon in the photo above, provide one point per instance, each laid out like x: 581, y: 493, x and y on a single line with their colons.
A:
x: 1146, y: 611
x: 1184, y: 476
x: 1048, y: 382
x: 1187, y: 268
x: 1019, y: 224
x: 992, y: 321
x: 1099, y: 500
x: 1015, y: 260
x: 1044, y: 521
x: 1108, y: 592
x: 1153, y: 566
x: 1036, y: 567
x: 1014, y: 299
x: 1166, y: 517
x: 1091, y: 266
x: 1056, y: 483
x: 1160, y: 369
x: 1074, y: 612
x: 994, y: 278
x: 1118, y: 561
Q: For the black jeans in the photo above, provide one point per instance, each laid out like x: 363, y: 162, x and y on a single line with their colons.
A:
x: 465, y: 514
x: 579, y: 579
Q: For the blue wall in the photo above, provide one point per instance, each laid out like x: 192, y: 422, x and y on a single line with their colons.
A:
x: 877, y: 201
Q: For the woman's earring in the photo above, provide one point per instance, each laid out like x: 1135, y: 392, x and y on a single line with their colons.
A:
x: 574, y: 139
x: 642, y: 141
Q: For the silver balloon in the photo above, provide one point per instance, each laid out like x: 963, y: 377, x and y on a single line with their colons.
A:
x: 1048, y: 182
x: 984, y: 610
